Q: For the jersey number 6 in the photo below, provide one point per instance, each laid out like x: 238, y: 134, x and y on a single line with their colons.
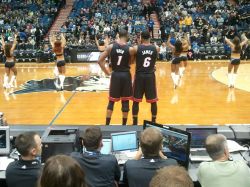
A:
x: 146, y: 62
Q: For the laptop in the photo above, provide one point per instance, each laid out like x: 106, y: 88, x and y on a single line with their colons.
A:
x: 176, y: 142
x: 198, y: 137
x: 124, y: 145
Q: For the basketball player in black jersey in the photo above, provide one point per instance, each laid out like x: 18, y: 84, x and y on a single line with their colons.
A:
x: 120, y: 83
x: 144, y: 83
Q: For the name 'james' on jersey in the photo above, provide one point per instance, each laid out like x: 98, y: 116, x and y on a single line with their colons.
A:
x: 120, y: 57
x: 146, y: 58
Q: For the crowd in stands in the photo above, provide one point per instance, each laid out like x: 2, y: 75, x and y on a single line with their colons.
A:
x: 206, y: 22
x: 31, y: 20
x: 106, y: 18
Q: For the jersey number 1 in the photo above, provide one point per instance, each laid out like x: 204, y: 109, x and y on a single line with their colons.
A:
x: 119, y: 60
x: 146, y: 62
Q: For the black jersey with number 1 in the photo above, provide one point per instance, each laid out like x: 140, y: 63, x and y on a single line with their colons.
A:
x: 146, y: 58
x: 120, y: 57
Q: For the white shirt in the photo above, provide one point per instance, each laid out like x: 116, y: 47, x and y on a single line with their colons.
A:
x: 224, y: 174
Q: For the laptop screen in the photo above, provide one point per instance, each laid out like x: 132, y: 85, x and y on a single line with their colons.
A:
x: 4, y: 140
x: 199, y: 135
x: 124, y: 141
x: 106, y: 148
x: 176, y: 142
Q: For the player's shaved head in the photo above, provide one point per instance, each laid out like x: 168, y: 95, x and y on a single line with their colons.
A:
x: 145, y: 35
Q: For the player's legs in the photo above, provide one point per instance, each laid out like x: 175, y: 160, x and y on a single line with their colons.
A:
x: 125, y: 110
x: 135, y: 111
x: 151, y: 94
x: 139, y: 89
x: 154, y: 111
x: 110, y: 109
x: 114, y: 95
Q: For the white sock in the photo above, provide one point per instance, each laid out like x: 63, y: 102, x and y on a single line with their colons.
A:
x: 62, y: 78
x: 181, y: 69
x: 56, y: 72
x: 13, y: 80
x: 234, y: 75
x: 173, y: 77
x: 177, y: 77
x: 230, y: 75
x: 5, y: 80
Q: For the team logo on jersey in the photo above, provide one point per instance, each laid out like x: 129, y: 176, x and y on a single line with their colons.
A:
x: 79, y: 83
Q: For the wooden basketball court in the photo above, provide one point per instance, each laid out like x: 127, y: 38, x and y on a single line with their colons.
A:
x: 202, y: 99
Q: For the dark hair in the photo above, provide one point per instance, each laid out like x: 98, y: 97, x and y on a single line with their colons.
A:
x: 178, y: 46
x: 123, y: 33
x: 91, y: 138
x: 7, y: 49
x: 57, y: 46
x: 25, y: 142
x: 145, y: 35
x: 236, y: 42
x: 62, y: 170
x: 151, y: 142
x: 171, y: 176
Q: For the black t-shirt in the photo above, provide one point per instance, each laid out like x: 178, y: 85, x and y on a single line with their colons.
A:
x: 100, y: 170
x: 120, y: 57
x: 23, y: 173
x: 145, y: 58
x: 138, y: 173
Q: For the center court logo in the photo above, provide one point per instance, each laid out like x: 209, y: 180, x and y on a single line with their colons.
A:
x: 79, y: 83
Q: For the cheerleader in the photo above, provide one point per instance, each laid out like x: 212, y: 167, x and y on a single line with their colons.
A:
x: 184, y: 59
x: 8, y: 49
x: 176, y: 60
x: 58, y: 43
x: 234, y: 63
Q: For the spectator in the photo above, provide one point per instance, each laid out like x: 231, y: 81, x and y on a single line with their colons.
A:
x: 138, y: 172
x: 101, y: 170
x: 222, y: 171
x: 171, y: 176
x: 26, y: 170
x: 163, y: 51
x: 151, y: 26
x: 188, y: 22
x: 61, y: 170
x: 213, y: 39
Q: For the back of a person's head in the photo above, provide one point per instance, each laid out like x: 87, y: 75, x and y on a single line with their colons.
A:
x: 123, y: 33
x: 171, y: 176
x: 92, y: 138
x: 62, y: 171
x: 151, y: 142
x: 215, y: 145
x: 25, y: 142
x: 145, y: 35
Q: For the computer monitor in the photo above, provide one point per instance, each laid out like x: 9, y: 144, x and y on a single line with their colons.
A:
x: 106, y: 148
x: 124, y: 141
x: 199, y: 135
x: 4, y: 140
x: 176, y: 142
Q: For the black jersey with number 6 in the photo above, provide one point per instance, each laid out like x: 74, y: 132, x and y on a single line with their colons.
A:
x: 120, y: 57
x: 146, y: 58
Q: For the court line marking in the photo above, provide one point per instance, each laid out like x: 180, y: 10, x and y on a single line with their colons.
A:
x: 61, y: 110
